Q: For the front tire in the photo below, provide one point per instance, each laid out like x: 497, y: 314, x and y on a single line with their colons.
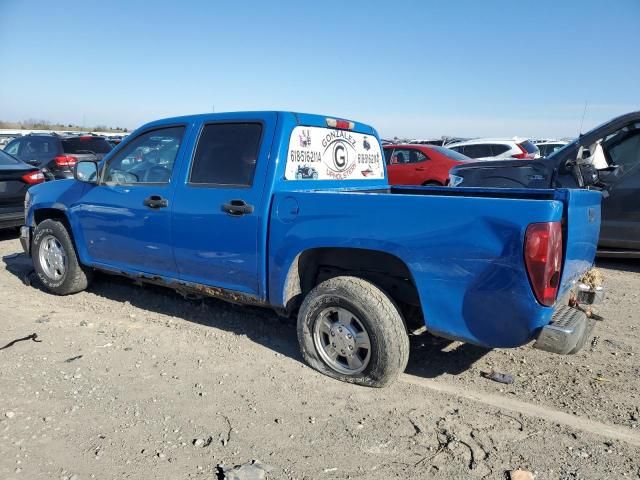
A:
x: 55, y: 259
x: 352, y: 331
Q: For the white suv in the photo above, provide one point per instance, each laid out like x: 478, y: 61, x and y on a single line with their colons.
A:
x: 497, y: 148
x: 547, y: 147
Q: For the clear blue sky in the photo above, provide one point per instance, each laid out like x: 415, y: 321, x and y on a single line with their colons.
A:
x: 410, y: 68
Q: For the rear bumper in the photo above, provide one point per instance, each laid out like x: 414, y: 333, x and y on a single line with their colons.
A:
x: 12, y: 219
x: 567, y: 333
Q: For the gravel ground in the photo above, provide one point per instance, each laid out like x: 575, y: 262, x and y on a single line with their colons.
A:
x: 124, y: 381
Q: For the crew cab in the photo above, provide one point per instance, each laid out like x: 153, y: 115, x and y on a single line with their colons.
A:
x: 218, y: 204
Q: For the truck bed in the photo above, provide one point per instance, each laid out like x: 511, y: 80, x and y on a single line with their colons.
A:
x: 463, y: 247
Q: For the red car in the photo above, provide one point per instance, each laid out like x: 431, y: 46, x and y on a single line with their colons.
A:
x: 421, y: 164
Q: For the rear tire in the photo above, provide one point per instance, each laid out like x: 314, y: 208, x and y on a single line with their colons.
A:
x: 55, y: 259
x: 432, y: 184
x: 352, y: 331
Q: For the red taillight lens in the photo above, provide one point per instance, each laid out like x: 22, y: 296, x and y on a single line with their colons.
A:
x: 543, y: 258
x: 523, y: 153
x: 65, y: 160
x: 33, y: 177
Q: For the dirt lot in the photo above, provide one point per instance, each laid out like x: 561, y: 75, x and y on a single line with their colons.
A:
x: 132, y: 382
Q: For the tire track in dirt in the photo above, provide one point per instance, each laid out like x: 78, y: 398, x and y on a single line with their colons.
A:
x: 528, y: 409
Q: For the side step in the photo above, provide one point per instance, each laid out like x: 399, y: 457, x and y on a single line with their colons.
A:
x: 567, y: 333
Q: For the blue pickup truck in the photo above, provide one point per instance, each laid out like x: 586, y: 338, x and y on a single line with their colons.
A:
x: 294, y: 212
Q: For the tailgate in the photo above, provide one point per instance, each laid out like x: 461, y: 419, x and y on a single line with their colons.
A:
x: 582, y: 220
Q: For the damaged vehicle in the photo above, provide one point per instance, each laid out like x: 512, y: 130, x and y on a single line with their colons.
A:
x: 605, y: 159
x: 360, y: 263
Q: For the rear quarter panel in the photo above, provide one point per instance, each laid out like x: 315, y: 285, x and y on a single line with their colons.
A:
x: 465, y: 253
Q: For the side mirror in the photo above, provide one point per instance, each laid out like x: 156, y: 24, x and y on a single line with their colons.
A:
x: 86, y: 171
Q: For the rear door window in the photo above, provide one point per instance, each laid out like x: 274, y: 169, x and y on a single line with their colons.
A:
x: 477, y: 151
x: 38, y: 146
x: 416, y: 156
x: 226, y: 154
x: 499, y: 148
x: 451, y: 153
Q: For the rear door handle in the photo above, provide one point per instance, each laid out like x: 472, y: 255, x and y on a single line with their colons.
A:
x: 237, y: 208
x: 156, y: 201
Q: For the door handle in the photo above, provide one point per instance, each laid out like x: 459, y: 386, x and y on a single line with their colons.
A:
x: 237, y: 208
x: 156, y: 201
x: 419, y: 169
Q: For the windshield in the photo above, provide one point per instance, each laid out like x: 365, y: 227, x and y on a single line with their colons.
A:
x: 6, y: 159
x: 452, y: 154
x: 86, y: 144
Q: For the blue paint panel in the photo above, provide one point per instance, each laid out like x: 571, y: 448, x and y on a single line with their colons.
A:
x: 465, y: 254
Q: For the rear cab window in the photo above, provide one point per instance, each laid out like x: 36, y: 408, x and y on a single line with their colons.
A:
x: 317, y: 153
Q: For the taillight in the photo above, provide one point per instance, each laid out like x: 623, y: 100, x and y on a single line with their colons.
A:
x: 33, y: 177
x: 65, y: 160
x: 543, y: 258
x: 523, y: 155
x: 342, y: 124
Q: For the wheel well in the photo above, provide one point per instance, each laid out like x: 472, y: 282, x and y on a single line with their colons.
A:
x: 50, y: 214
x: 384, y: 270
x: 432, y: 182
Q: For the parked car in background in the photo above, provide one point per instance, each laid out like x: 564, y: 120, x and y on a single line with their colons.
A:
x: 57, y: 153
x: 496, y: 148
x: 5, y: 139
x: 413, y: 164
x: 441, y: 142
x: 607, y: 158
x: 115, y: 139
x: 15, y: 178
x: 547, y: 147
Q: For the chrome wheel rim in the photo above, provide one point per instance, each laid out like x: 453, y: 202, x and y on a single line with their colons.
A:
x: 342, y: 341
x: 53, y: 258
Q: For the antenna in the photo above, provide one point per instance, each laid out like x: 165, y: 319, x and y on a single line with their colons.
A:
x: 583, y: 115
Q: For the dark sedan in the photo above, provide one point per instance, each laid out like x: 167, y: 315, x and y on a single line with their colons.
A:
x: 15, y: 178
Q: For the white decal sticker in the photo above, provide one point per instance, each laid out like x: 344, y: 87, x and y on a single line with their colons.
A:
x: 330, y: 154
